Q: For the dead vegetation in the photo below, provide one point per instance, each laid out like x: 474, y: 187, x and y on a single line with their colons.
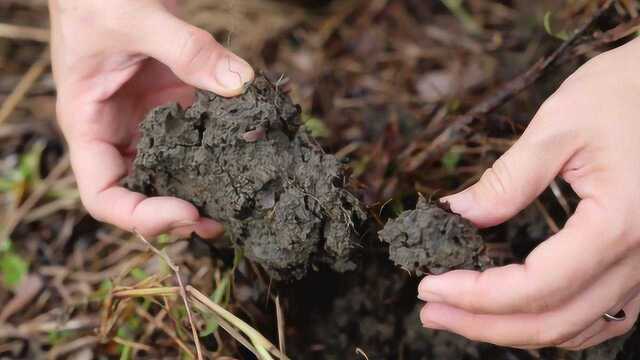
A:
x: 381, y: 82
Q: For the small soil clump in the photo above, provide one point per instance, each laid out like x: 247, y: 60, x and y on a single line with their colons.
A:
x: 431, y: 240
x: 247, y: 162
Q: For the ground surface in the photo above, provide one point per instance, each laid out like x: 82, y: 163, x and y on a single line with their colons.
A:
x: 378, y: 81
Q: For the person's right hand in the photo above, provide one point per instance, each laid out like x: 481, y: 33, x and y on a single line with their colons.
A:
x: 113, y: 61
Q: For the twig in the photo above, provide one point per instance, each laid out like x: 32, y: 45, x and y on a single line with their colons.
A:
x: 229, y: 329
x: 553, y: 226
x: 258, y: 344
x: 132, y: 344
x: 18, y: 32
x: 262, y: 344
x: 79, y: 343
x: 281, y: 326
x: 362, y: 353
x: 458, y: 126
x: 557, y: 192
x: 183, y: 292
x: 160, y: 325
x: 27, y: 81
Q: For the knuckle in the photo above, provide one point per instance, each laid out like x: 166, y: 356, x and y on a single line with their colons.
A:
x: 618, y: 225
x: 497, y: 179
x: 538, y: 305
x: 95, y: 211
x: 195, y: 49
x: 624, y: 228
x: 479, y: 291
x: 482, y: 293
x: 530, y: 299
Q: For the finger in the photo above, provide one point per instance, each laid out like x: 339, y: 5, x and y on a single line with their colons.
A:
x: 600, y: 325
x: 518, y: 176
x: 588, y: 334
x: 549, y: 328
x: 503, y: 330
x: 527, y: 331
x: 551, y: 274
x: 604, y: 330
x: 99, y: 167
x: 192, y: 54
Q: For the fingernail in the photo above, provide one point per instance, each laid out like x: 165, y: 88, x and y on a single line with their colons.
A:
x: 425, y: 291
x: 233, y: 72
x: 426, y: 320
x: 429, y: 296
x: 209, y: 229
x: 461, y: 202
x: 432, y: 325
x: 183, y: 223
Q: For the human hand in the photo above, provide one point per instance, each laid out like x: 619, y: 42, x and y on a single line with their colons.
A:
x: 587, y: 132
x: 113, y: 61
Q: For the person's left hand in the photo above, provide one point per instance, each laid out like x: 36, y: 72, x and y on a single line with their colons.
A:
x: 588, y: 133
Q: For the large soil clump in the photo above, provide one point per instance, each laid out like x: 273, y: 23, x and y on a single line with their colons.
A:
x: 247, y: 162
x: 431, y: 239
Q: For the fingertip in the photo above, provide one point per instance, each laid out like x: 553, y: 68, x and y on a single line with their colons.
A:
x: 423, y: 313
x: 156, y: 215
x: 232, y: 73
x: 439, y: 288
x: 428, y: 317
x: 209, y: 229
x: 461, y: 202
x: 424, y: 290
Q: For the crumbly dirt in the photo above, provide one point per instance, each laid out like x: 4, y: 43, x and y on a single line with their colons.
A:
x: 432, y: 240
x: 247, y: 162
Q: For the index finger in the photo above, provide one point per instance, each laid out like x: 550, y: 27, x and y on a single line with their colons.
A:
x: 99, y: 167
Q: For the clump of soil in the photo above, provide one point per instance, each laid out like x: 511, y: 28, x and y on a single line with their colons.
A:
x: 247, y: 162
x: 431, y: 239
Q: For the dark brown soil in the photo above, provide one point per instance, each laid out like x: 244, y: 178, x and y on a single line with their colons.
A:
x: 432, y: 240
x: 247, y: 162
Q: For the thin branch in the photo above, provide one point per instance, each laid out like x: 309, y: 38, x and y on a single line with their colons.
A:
x: 19, y: 32
x: 25, y: 84
x: 160, y: 325
x: 183, y: 292
x: 458, y: 126
x: 281, y: 326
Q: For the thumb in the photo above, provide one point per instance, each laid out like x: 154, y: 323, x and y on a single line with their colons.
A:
x: 513, y: 182
x: 193, y: 54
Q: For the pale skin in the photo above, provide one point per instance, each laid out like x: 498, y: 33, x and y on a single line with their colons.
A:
x: 114, y: 60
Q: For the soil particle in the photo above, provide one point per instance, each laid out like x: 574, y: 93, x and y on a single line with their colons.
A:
x: 247, y: 162
x: 431, y: 239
